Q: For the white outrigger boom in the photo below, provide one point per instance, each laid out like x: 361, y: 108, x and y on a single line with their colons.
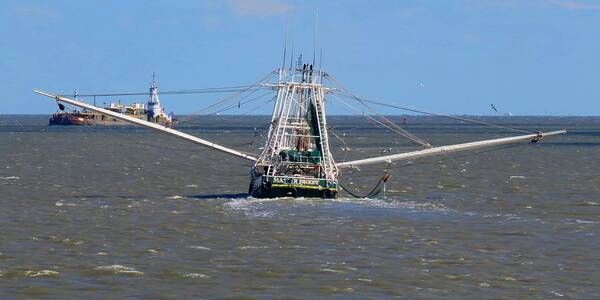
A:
x: 147, y: 124
x: 447, y: 149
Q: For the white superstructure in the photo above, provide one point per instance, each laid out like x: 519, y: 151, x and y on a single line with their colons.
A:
x: 155, y: 110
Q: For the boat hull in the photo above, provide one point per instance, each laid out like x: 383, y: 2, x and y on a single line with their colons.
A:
x: 70, y: 119
x: 276, y: 187
x: 87, y: 118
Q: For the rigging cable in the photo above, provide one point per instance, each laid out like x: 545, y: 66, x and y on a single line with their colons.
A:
x: 176, y: 92
x: 362, y: 100
x: 406, y: 134
x: 244, y: 113
x: 224, y: 100
x: 399, y: 132
x: 245, y: 102
x: 447, y: 116
x: 345, y: 149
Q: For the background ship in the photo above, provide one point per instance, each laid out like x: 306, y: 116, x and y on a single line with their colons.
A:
x: 151, y: 111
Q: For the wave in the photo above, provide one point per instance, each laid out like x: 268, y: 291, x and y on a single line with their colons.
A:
x: 118, y: 270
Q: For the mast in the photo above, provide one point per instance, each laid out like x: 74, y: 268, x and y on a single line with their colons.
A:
x: 297, y: 143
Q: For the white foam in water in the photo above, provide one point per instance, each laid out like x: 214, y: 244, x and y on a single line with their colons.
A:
x: 578, y: 221
x: 41, y: 273
x: 195, y: 275
x: 61, y: 202
x: 253, y: 203
x: 388, y: 203
x: 259, y: 208
x: 557, y: 294
x: 10, y: 178
x: 252, y: 206
x: 332, y: 271
x: 119, y: 270
x: 253, y: 247
x: 245, y: 203
x: 200, y: 248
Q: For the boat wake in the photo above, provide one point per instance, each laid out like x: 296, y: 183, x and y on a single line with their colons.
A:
x: 393, y: 203
x: 220, y: 196
x: 270, y: 207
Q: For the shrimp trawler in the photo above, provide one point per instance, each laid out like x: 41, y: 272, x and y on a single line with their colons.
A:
x: 151, y: 111
x: 296, y: 160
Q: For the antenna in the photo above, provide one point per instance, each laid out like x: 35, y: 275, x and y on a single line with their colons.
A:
x: 315, y: 36
x: 285, y: 44
x: 292, y: 55
x: 320, y: 64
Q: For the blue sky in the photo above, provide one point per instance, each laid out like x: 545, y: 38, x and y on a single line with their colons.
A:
x: 528, y: 57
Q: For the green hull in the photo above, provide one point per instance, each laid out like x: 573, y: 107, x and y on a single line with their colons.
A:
x: 274, y: 187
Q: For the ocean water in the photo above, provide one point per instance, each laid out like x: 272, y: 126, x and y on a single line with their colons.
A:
x: 105, y: 213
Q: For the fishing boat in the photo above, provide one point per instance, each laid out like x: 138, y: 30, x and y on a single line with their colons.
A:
x: 296, y: 159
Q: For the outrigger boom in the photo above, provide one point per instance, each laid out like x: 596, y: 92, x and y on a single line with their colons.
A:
x: 447, y: 149
x: 147, y: 124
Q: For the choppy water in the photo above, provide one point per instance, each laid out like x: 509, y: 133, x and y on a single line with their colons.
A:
x: 89, y: 212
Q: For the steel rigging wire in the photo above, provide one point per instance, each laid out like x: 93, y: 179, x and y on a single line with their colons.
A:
x: 398, y: 129
x: 178, y: 92
x: 223, y: 101
x: 401, y: 132
x: 238, y: 90
x: 361, y: 100
x: 447, y: 116
x: 243, y: 103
